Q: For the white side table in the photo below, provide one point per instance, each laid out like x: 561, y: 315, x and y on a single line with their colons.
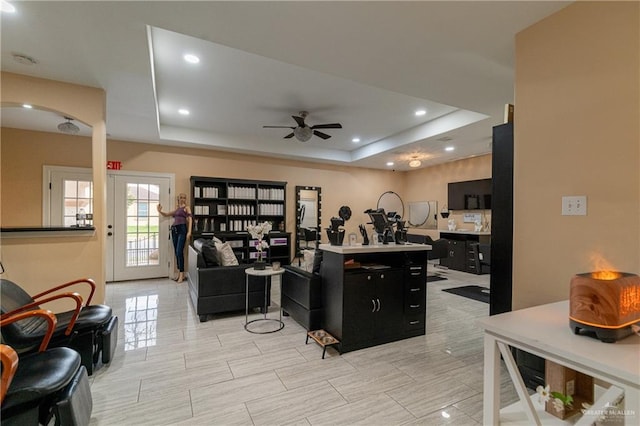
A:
x: 544, y: 331
x: 267, y: 273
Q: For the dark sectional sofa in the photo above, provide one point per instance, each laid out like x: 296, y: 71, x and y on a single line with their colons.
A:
x: 217, y: 289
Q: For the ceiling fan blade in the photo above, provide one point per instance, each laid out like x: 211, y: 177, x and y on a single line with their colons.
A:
x: 278, y: 127
x: 327, y: 126
x: 289, y: 136
x: 299, y: 120
x: 321, y: 135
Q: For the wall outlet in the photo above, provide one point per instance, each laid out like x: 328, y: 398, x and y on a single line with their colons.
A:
x: 574, y: 205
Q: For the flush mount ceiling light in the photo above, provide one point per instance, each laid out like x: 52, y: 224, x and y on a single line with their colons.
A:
x: 389, y: 163
x: 420, y: 112
x: 68, y: 127
x: 449, y: 148
x: 183, y: 111
x: 415, y: 162
x: 24, y: 59
x: 355, y: 140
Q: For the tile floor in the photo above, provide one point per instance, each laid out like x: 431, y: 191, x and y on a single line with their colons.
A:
x: 170, y: 369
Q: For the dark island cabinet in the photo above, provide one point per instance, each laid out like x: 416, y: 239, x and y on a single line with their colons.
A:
x: 375, y: 305
x: 373, y: 294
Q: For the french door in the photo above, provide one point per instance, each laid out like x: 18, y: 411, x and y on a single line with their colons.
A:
x: 138, y: 245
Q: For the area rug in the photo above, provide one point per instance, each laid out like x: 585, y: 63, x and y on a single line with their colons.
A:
x: 474, y: 292
x: 432, y: 278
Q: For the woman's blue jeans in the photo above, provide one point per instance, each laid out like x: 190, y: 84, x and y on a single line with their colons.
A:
x: 179, y: 238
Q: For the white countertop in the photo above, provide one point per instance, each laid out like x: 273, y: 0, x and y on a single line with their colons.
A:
x: 372, y: 248
x: 465, y: 231
x: 546, y: 328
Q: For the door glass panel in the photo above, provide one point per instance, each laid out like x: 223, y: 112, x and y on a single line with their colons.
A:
x: 142, y: 224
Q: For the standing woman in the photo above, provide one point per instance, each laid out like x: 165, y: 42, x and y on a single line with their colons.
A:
x: 180, y: 231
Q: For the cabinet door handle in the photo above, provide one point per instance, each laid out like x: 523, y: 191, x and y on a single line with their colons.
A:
x: 369, y: 277
x: 416, y: 268
x: 415, y: 274
x: 415, y: 289
x: 374, y: 305
x: 414, y: 322
x: 378, y: 305
x: 414, y: 306
x: 382, y: 276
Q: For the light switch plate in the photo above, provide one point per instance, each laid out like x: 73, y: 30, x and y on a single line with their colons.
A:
x: 574, y: 205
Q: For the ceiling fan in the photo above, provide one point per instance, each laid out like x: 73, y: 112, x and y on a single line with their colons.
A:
x: 304, y: 132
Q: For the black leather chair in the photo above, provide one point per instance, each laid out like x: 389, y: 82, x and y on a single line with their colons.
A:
x: 40, y: 387
x: 439, y: 247
x: 90, y: 329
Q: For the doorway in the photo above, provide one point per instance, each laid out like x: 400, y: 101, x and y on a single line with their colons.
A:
x: 138, y: 245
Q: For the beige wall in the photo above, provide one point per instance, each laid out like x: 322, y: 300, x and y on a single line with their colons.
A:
x: 24, y: 153
x: 356, y: 187
x: 39, y: 263
x: 431, y: 183
x: 576, y: 133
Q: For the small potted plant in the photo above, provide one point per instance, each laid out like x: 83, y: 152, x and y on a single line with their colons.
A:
x: 258, y: 232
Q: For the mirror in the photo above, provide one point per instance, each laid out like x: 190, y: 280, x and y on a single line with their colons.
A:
x: 423, y: 214
x: 391, y: 202
x: 308, y: 209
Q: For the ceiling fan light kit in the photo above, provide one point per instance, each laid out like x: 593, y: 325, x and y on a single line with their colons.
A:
x: 303, y: 132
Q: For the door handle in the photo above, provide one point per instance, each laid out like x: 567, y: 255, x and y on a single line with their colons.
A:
x: 378, y: 305
x: 374, y: 305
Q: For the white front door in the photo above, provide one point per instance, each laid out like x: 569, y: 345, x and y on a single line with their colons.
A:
x: 138, y: 245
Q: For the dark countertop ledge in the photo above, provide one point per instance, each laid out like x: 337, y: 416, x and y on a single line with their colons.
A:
x: 45, y: 231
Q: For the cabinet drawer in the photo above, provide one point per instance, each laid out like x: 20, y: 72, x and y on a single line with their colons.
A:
x: 414, y: 306
x: 414, y: 322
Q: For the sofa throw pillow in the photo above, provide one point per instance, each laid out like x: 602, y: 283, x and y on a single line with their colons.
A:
x: 317, y: 261
x: 226, y: 256
x: 308, y: 256
x: 210, y: 254
x: 197, y: 244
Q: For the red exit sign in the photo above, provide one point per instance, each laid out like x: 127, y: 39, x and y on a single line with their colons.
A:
x: 114, y: 165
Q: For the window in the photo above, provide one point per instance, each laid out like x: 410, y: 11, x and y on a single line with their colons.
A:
x: 67, y: 193
x: 78, y: 202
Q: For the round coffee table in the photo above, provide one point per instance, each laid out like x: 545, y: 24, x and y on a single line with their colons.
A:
x: 267, y: 273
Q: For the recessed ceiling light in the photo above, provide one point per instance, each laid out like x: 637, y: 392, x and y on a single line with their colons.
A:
x: 183, y: 111
x: 355, y: 140
x: 421, y: 112
x: 449, y: 148
x: 389, y: 163
x: 5, y: 6
x: 27, y: 106
x: 192, y: 59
